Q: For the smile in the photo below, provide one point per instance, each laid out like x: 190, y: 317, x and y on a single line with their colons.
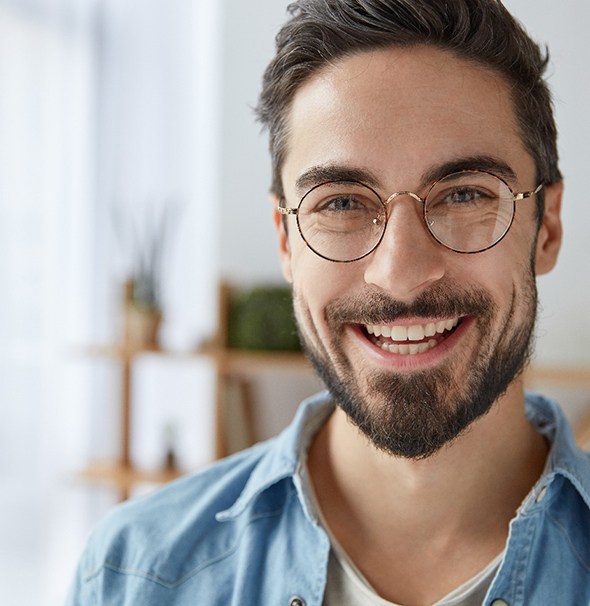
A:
x: 410, y: 340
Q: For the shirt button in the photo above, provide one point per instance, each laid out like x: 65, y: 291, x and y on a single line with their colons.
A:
x: 297, y: 602
x: 499, y: 603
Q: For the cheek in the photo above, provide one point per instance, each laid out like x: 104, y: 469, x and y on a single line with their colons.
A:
x: 500, y: 272
x: 511, y: 258
x: 523, y: 235
x: 505, y: 272
x: 317, y: 283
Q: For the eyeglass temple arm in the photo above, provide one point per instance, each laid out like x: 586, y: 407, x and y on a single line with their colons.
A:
x: 285, y: 210
x: 528, y: 194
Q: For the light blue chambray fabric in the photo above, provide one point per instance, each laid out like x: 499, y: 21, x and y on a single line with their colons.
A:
x: 243, y: 533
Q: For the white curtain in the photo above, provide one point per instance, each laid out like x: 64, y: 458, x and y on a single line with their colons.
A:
x: 101, y: 103
x: 47, y: 92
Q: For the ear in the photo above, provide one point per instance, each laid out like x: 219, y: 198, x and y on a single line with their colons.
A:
x: 283, y: 239
x: 550, y: 232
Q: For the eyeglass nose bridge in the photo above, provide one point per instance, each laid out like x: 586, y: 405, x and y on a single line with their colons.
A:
x: 383, y: 219
x: 397, y: 194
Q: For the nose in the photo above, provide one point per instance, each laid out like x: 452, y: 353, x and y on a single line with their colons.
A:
x: 408, y: 260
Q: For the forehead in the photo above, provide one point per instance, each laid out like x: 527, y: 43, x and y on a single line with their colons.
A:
x: 398, y: 112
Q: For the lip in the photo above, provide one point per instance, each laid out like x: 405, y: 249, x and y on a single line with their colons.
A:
x: 406, y: 362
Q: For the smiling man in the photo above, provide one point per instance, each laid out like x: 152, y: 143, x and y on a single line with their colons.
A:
x: 417, y: 197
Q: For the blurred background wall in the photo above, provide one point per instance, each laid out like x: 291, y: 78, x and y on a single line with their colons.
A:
x: 111, y: 112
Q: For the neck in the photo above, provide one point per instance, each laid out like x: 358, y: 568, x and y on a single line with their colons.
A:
x: 497, y: 459
x: 461, y: 498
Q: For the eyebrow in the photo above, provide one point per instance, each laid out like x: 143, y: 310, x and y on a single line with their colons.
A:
x: 488, y: 164
x: 342, y: 172
x: 334, y: 172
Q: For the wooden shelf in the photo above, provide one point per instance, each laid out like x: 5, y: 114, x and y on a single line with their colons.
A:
x: 234, y: 361
x: 569, y: 376
x: 123, y: 351
x: 243, y: 363
x: 124, y: 477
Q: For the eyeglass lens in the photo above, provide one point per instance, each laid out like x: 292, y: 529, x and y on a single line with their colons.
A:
x: 466, y: 212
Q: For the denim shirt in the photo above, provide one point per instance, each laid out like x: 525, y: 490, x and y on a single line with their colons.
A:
x: 243, y: 532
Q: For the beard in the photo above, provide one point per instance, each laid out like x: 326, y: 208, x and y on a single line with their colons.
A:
x: 413, y: 415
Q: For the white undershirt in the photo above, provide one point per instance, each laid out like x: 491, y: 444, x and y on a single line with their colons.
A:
x: 347, y: 585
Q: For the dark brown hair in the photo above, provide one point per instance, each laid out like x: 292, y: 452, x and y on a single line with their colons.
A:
x: 482, y: 31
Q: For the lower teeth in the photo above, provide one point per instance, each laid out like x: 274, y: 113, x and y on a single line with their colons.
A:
x: 409, y: 348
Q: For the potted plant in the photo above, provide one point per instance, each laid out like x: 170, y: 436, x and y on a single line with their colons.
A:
x: 261, y: 318
x: 144, y: 236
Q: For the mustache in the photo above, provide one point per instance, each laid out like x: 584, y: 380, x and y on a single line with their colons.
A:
x: 375, y: 307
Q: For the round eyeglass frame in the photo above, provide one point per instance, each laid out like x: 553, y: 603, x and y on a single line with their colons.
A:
x: 286, y: 210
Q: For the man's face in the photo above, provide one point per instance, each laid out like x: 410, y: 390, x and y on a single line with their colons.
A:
x: 400, y: 116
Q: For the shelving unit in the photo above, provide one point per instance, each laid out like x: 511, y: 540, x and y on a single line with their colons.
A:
x: 124, y: 477
x: 233, y: 368
x: 121, y: 474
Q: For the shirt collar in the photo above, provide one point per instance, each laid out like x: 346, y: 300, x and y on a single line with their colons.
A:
x: 565, y: 458
x: 287, y: 455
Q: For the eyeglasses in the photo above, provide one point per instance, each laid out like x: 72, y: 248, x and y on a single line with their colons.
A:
x: 468, y: 212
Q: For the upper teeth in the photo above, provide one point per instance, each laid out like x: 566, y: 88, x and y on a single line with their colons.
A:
x: 416, y: 332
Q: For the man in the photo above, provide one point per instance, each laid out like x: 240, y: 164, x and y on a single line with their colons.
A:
x: 417, y: 197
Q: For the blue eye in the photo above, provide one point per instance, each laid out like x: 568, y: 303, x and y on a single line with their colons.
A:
x: 464, y: 195
x: 342, y: 204
x: 340, y: 207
